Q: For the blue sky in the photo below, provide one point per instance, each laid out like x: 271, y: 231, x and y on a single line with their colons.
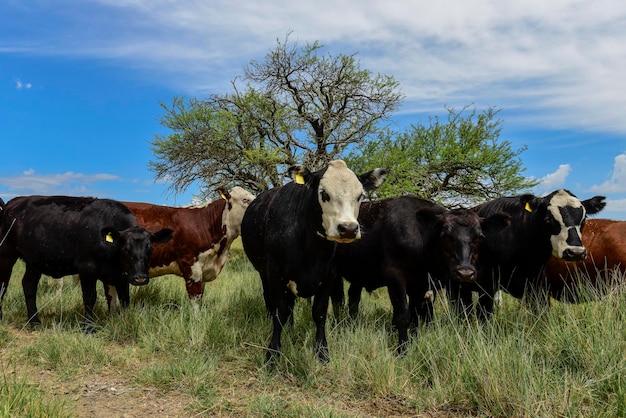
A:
x: 81, y: 81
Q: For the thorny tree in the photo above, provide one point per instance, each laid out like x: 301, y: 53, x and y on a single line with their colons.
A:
x: 295, y: 106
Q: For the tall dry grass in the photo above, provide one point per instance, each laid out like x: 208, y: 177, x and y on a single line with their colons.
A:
x: 569, y: 361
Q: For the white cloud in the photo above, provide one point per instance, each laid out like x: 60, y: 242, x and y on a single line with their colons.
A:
x: 20, y: 85
x: 617, y: 182
x: 615, y: 205
x: 65, y: 183
x: 560, y: 58
x: 557, y: 179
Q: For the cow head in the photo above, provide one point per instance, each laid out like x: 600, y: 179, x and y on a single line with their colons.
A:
x: 460, y: 233
x: 134, y: 246
x: 339, y: 194
x: 563, y: 215
x: 237, y: 201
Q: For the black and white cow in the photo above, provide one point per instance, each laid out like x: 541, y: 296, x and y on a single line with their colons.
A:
x: 413, y: 246
x: 61, y: 235
x: 290, y: 235
x: 514, y: 259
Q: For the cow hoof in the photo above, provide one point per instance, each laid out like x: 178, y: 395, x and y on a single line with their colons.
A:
x: 34, y: 322
x: 402, y: 349
x: 270, y: 356
x: 322, y: 355
x: 89, y: 329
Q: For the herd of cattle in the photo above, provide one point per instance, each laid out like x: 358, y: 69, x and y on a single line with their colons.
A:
x: 307, y: 235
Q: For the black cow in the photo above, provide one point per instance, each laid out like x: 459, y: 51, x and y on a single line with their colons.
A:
x: 413, y: 246
x: 60, y: 236
x: 290, y: 235
x: 514, y: 258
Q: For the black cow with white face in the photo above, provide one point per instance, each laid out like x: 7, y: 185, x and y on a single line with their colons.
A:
x: 413, y: 246
x: 61, y: 235
x: 291, y: 234
x: 514, y: 259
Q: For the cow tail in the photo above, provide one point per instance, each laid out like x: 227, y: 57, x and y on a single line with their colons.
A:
x: 8, y: 232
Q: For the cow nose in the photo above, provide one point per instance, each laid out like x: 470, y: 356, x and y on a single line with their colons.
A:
x: 348, y: 230
x: 466, y: 274
x: 575, y: 254
x: 140, y: 281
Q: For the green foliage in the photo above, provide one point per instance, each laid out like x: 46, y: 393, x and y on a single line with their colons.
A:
x: 295, y: 106
x: 457, y: 162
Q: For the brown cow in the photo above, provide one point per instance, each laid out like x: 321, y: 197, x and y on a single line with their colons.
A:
x: 201, y: 241
x: 605, y: 241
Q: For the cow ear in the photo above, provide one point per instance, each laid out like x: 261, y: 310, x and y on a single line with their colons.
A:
x: 373, y: 179
x: 529, y: 202
x: 224, y: 194
x: 299, y: 173
x: 162, y: 236
x: 594, y: 205
x: 110, y: 235
x: 495, y: 223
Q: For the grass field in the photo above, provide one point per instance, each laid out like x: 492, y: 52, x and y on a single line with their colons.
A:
x: 165, y: 357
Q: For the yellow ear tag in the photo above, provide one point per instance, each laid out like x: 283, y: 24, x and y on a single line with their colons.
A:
x: 109, y: 237
x: 527, y: 207
x: 299, y: 178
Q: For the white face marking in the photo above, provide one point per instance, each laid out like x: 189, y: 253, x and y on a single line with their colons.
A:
x: 239, y: 201
x: 339, y: 196
x: 559, y: 241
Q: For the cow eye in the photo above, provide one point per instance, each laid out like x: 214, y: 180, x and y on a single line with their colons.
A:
x: 325, y: 197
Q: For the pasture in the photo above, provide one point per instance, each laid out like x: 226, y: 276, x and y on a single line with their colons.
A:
x: 165, y: 357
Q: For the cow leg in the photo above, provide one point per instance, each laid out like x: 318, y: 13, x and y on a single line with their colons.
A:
x: 337, y: 298
x: 123, y: 293
x: 485, y: 306
x: 460, y: 300
x: 422, y: 307
x: 6, y: 267
x: 30, y: 283
x: 118, y: 296
x: 319, y: 311
x: 110, y: 293
x: 281, y: 314
x: 401, y: 314
x: 421, y: 301
x: 88, y: 287
x: 194, y: 285
x: 354, y: 299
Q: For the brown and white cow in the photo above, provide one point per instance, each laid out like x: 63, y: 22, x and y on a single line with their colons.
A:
x: 201, y: 241
x: 605, y: 241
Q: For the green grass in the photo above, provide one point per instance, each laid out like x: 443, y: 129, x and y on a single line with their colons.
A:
x: 570, y: 361
x: 21, y: 399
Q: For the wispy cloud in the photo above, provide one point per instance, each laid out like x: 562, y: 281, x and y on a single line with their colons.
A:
x: 21, y: 85
x: 555, y: 180
x: 617, y: 182
x: 30, y: 182
x: 561, y: 59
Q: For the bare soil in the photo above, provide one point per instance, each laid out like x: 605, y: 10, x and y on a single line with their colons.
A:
x: 110, y: 394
